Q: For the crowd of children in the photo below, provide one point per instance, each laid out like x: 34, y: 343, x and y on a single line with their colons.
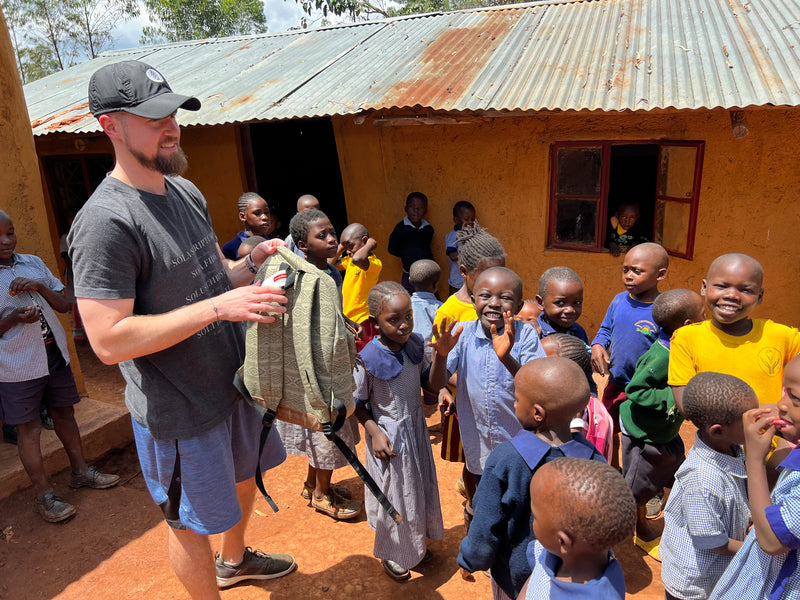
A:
x: 517, y: 384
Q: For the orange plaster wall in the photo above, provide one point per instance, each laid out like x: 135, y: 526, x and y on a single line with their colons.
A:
x: 748, y: 199
x: 215, y: 167
x: 21, y: 195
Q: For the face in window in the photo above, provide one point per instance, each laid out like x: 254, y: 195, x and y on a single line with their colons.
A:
x: 732, y: 291
x: 562, y: 303
x: 395, y: 321
x: 496, y: 292
x: 627, y: 215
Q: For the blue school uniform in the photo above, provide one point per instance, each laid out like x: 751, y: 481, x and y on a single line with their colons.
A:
x: 544, y: 585
x: 575, y: 329
x: 755, y: 575
x: 627, y: 331
x: 502, y: 526
x: 485, y: 389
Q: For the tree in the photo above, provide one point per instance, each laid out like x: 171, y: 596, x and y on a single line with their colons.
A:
x: 50, y: 35
x: 363, y: 9
x: 177, y: 20
x: 93, y: 20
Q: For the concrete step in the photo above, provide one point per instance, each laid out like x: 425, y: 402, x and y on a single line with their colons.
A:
x: 103, y: 427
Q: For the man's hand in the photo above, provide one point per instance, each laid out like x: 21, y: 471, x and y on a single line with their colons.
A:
x: 247, y: 303
x: 265, y: 249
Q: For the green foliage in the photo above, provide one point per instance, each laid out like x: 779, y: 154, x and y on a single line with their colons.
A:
x: 177, y: 20
x: 50, y: 35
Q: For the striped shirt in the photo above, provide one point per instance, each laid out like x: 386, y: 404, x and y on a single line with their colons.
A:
x: 22, y: 351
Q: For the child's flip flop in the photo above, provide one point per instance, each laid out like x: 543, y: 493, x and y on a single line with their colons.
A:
x: 650, y: 547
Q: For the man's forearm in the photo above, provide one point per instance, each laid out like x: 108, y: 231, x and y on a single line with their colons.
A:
x: 116, y: 337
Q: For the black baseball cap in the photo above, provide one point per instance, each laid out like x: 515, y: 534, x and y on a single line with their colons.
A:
x: 137, y: 88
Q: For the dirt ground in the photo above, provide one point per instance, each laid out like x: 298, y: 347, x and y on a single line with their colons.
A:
x: 115, y: 547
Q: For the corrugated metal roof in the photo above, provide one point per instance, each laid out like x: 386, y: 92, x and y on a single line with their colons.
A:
x: 608, y: 55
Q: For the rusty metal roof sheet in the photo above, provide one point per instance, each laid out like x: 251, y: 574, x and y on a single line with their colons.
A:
x: 607, y: 55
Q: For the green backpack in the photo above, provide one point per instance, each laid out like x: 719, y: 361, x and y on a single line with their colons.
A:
x: 299, y: 368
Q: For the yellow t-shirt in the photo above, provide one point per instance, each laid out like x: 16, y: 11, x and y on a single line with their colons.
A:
x: 356, y: 286
x: 757, y: 358
x: 453, y: 308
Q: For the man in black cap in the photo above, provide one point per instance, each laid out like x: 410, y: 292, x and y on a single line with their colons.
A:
x: 157, y: 297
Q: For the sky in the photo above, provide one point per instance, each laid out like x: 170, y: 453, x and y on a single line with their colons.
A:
x: 281, y: 15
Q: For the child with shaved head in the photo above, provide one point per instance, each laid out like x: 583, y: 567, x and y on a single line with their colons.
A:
x: 549, y: 392
x: 627, y: 330
x: 581, y: 509
x: 731, y: 341
x: 707, y: 514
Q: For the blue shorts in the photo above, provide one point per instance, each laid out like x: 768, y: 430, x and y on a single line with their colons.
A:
x: 211, y: 464
x: 20, y: 400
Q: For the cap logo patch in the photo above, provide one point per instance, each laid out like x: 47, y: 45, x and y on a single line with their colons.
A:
x: 154, y: 76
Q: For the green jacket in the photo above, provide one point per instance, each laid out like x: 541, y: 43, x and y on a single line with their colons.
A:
x: 649, y: 414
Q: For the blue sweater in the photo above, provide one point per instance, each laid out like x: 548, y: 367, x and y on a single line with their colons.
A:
x: 627, y: 331
x: 503, y: 525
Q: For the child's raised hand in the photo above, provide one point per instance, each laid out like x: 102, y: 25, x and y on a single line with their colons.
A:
x: 758, y: 433
x: 444, y: 338
x: 599, y: 359
x: 381, y: 447
x: 504, y: 342
x: 466, y: 575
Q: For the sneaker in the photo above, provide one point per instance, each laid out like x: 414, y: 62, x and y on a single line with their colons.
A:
x: 655, y: 506
x: 339, y: 508
x: 93, y: 479
x: 255, y: 565
x: 462, y: 489
x: 339, y: 490
x: 395, y: 571
x: 53, y: 509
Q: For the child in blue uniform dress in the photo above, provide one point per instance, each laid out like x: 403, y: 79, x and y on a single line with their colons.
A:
x: 766, y: 566
x: 581, y: 508
x: 399, y: 455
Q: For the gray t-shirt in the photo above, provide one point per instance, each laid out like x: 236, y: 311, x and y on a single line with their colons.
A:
x: 161, y: 251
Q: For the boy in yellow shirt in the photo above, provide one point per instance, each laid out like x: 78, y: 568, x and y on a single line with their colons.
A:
x: 362, y: 270
x: 730, y: 342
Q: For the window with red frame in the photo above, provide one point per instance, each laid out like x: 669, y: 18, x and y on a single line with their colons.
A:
x: 589, y: 181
